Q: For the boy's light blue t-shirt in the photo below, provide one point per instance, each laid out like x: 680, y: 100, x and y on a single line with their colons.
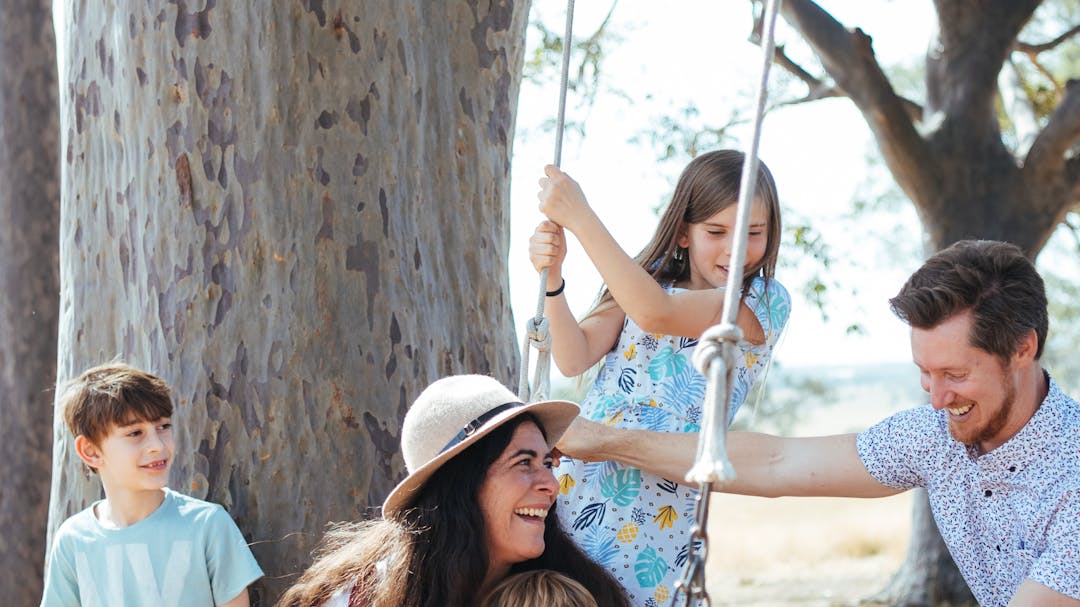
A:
x: 186, y: 553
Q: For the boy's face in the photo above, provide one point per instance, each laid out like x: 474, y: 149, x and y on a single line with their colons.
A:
x: 133, y: 457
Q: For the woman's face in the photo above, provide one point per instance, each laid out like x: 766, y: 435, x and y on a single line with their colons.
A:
x: 515, y: 496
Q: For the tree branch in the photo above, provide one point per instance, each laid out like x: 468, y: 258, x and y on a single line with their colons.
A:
x: 1072, y: 177
x: 1046, y: 158
x: 849, y: 59
x: 1034, y: 49
x: 817, y: 88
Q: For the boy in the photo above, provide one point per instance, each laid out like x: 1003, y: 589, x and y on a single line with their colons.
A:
x: 144, y: 544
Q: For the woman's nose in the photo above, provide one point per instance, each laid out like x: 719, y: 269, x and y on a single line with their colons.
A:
x: 546, y: 482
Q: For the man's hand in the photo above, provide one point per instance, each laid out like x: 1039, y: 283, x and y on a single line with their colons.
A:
x: 584, y: 440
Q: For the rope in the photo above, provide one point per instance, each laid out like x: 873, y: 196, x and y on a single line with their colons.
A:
x: 715, y: 356
x: 536, y: 328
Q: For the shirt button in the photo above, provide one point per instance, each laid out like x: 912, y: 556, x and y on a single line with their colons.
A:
x: 988, y: 493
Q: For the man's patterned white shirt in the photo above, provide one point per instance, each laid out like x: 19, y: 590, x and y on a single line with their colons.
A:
x: 1007, y: 515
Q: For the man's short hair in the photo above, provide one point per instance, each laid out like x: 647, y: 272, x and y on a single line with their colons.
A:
x: 994, y: 280
x: 113, y: 394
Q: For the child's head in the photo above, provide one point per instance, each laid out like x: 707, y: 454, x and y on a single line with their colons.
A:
x: 539, y: 588
x: 708, y: 186
x: 109, y: 397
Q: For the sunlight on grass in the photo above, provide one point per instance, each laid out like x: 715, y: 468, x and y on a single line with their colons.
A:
x: 804, y: 551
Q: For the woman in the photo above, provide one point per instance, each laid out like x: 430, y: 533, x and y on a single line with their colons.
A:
x: 476, y: 506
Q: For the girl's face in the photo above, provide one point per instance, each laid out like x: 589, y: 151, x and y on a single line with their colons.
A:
x: 710, y: 245
x: 515, y: 497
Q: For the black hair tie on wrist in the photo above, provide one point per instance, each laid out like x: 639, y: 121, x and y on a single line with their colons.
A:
x: 557, y: 292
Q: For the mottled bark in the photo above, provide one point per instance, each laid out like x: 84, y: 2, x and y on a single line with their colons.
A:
x: 297, y: 213
x: 29, y: 278
x: 953, y: 164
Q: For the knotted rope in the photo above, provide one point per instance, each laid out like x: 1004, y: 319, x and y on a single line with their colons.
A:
x: 536, y: 328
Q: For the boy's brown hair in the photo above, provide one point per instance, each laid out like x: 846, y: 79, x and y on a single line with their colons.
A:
x: 113, y: 394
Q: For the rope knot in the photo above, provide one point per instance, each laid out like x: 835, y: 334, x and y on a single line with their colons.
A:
x: 538, y: 334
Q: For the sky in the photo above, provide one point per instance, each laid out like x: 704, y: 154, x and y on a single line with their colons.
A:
x: 697, y: 52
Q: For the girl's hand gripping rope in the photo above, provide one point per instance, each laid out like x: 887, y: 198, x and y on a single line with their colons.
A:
x: 547, y: 249
x: 562, y: 200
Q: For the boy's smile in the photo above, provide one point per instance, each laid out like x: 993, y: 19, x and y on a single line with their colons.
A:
x: 137, y: 456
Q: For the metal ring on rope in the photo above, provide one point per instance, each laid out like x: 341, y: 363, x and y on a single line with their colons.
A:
x: 715, y: 356
x: 538, y: 325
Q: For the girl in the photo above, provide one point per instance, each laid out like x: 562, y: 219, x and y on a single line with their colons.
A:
x: 645, y: 327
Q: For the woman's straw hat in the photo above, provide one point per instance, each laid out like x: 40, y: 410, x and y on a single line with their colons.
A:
x: 455, y: 412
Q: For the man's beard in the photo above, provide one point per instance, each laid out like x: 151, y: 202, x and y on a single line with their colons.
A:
x: 992, y: 427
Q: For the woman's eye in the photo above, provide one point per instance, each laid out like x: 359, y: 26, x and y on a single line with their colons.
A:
x: 166, y: 426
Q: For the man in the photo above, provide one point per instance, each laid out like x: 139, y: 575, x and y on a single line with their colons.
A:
x: 998, y: 449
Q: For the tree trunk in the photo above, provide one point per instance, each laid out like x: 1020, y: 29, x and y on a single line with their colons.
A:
x: 297, y: 214
x: 29, y: 278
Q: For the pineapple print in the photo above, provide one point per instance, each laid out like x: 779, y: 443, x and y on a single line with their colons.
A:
x: 662, y: 594
x: 627, y: 533
x: 630, y: 352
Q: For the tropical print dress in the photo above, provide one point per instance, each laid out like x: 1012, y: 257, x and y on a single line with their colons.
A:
x: 634, y: 523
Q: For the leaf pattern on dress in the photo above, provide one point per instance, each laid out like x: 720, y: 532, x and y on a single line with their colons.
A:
x: 684, y: 554
x: 656, y: 419
x: 687, y: 342
x: 622, y: 486
x: 650, y: 568
x: 666, y: 363
x: 666, y: 517
x: 627, y: 379
x: 600, y: 545
x: 566, y: 482
x: 593, y: 514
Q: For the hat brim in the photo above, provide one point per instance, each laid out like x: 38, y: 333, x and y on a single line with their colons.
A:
x: 554, y: 415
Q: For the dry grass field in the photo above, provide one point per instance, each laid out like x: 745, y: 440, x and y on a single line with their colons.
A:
x: 804, y: 551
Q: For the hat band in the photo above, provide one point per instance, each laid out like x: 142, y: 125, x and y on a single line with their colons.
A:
x: 475, y: 424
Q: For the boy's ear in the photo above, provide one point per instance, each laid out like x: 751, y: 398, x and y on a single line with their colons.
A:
x: 88, y: 452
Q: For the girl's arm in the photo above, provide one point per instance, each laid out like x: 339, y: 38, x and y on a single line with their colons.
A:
x: 687, y: 313
x: 574, y: 346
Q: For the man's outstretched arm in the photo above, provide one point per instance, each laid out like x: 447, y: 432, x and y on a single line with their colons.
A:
x: 765, y: 465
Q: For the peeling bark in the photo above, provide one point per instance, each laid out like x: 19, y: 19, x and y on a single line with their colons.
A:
x: 296, y: 213
x: 29, y: 277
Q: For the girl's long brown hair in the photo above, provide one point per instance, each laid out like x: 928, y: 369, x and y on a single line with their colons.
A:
x: 708, y: 185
